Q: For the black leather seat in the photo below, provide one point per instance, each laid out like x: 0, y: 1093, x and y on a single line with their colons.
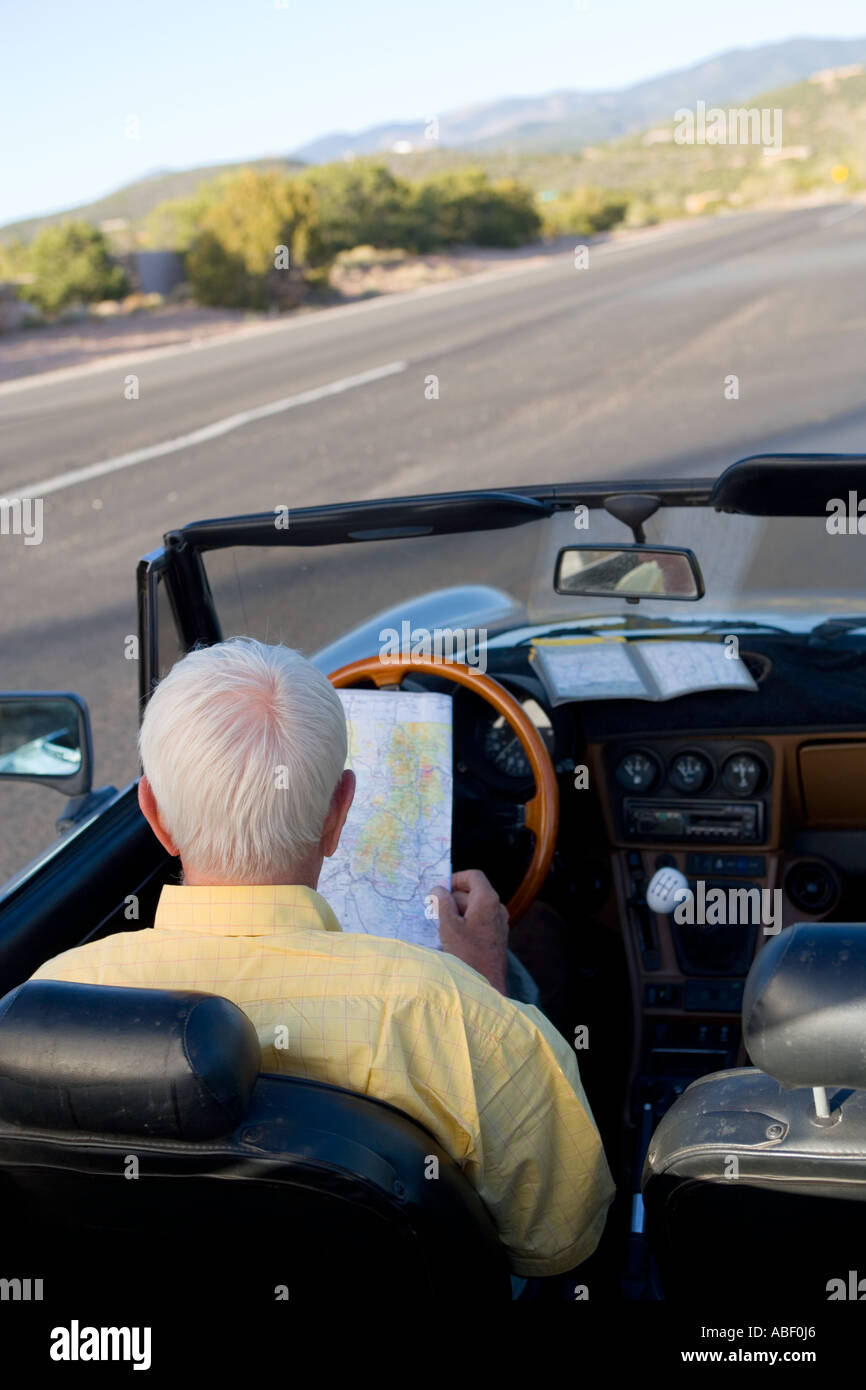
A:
x: 749, y: 1191
x: 138, y: 1141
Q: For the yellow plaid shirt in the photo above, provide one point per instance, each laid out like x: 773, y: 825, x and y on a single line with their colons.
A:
x: 491, y: 1078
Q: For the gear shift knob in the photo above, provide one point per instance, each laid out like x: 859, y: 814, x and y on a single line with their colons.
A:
x: 665, y: 889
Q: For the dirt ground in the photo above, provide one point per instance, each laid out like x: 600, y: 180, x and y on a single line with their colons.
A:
x: 30, y: 351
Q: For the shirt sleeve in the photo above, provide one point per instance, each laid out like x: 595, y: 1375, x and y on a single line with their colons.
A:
x: 539, y: 1163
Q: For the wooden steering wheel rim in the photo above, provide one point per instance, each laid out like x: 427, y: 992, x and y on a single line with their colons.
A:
x: 542, y: 812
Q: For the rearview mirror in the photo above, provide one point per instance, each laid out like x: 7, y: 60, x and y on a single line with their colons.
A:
x: 45, y: 737
x: 631, y: 572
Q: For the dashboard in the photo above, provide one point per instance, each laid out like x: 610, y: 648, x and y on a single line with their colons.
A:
x: 683, y: 790
x: 743, y: 794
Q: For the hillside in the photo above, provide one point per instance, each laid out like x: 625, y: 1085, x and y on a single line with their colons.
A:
x: 823, y: 126
x: 568, y: 119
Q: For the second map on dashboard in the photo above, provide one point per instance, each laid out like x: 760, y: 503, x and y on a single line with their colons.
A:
x: 396, y: 844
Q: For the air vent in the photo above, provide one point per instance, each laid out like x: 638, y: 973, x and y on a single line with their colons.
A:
x: 811, y: 887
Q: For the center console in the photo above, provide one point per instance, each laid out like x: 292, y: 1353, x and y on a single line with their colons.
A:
x: 705, y: 807
x: 766, y: 831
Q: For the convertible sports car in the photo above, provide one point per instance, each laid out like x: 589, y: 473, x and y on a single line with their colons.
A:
x: 698, y: 824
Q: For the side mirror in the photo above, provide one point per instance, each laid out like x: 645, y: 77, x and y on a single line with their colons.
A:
x: 45, y: 737
x: 631, y: 572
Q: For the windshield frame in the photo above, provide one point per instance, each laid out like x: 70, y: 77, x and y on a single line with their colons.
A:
x: 758, y: 485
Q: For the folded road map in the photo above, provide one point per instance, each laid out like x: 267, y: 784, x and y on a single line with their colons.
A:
x: 610, y: 668
x: 396, y: 844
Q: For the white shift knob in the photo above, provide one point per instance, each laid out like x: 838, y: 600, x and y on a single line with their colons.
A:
x: 663, y: 888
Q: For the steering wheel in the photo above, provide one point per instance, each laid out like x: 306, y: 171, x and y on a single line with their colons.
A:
x: 542, y: 812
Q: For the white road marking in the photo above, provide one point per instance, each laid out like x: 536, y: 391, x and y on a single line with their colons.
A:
x: 207, y: 432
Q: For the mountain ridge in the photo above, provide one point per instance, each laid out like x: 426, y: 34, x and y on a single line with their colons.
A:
x: 597, y: 115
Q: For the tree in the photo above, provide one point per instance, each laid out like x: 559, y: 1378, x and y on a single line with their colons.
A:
x: 462, y: 205
x: 13, y: 259
x: 361, y: 204
x: 237, y: 258
x: 72, y: 264
x: 584, y: 211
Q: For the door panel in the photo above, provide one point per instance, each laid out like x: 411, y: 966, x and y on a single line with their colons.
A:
x: 81, y: 892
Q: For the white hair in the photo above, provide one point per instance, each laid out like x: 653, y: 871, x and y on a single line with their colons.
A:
x: 243, y: 745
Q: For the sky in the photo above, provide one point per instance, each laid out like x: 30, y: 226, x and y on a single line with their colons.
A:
x: 212, y: 81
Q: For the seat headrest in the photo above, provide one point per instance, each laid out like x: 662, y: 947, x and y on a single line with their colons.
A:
x: 804, y: 1006
x: 106, y: 1059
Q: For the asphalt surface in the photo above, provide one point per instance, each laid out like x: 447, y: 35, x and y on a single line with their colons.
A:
x: 546, y: 373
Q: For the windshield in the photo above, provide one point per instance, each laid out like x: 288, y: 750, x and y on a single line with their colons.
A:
x: 787, y: 571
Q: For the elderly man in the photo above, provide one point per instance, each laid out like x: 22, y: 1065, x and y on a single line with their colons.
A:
x: 431, y: 1032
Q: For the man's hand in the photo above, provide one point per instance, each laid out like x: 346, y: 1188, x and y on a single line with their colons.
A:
x: 473, y: 925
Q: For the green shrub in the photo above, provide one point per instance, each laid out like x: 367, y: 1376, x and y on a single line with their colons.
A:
x: 361, y: 204
x: 583, y: 212
x: 463, y: 206
x: 232, y: 259
x: 219, y: 279
x: 72, y: 264
x: 642, y: 212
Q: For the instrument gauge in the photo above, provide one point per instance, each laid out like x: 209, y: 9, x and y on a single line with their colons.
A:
x: 636, y: 772
x: 690, y: 773
x: 503, y: 750
x: 742, y: 774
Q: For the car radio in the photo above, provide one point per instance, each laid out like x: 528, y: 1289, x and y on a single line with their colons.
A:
x: 740, y: 822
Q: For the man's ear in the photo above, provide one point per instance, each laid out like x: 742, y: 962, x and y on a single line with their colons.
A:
x: 341, y: 801
x: 150, y: 811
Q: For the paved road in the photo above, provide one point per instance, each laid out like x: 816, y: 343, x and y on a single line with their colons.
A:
x: 545, y: 374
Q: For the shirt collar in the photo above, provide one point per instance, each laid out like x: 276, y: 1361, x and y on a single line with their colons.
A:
x: 249, y: 910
